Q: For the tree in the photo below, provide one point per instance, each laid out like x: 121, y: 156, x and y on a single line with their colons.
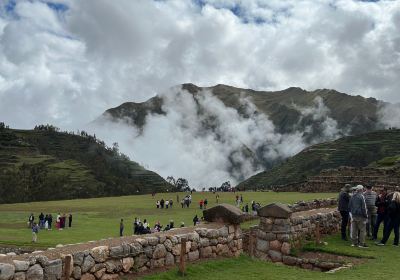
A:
x: 182, y: 184
x: 171, y: 180
x: 225, y: 187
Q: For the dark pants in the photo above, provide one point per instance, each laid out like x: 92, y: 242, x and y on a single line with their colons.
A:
x: 379, y: 219
x: 121, y: 231
x: 393, y: 224
x: 345, y: 221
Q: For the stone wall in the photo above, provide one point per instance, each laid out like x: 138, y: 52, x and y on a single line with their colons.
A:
x: 108, y: 259
x: 314, y: 204
x: 281, y: 230
x: 332, y: 180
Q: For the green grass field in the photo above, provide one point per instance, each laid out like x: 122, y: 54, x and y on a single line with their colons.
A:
x: 99, y: 218
x: 382, y: 266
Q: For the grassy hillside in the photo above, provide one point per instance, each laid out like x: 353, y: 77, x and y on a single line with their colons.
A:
x: 357, y: 151
x: 49, y: 165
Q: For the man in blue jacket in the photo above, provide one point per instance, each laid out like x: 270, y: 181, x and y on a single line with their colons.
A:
x: 359, y: 215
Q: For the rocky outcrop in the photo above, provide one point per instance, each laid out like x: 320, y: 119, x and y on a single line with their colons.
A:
x: 224, y: 213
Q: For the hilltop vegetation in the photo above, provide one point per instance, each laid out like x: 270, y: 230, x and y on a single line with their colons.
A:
x: 45, y: 164
x: 377, y: 149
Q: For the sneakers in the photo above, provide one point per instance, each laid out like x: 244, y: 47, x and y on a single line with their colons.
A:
x: 363, y: 246
x: 353, y: 245
x: 380, y: 244
x: 396, y: 245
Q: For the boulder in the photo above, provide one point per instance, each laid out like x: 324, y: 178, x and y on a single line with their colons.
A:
x: 21, y: 265
x: 110, y: 277
x: 127, y: 264
x: 168, y: 245
x: 262, y: 245
x: 193, y: 256
x: 88, y: 276
x: 113, y: 266
x: 275, y: 210
x: 6, y: 271
x: 100, y: 273
x: 88, y: 263
x: 120, y: 251
x: 19, y: 276
x: 275, y: 256
x: 77, y: 272
x: 223, y: 213
x: 136, y: 249
x: 42, y: 260
x: 53, y: 269
x: 78, y: 258
x: 35, y: 272
x: 169, y: 259
x: 206, y: 252
x: 159, y: 251
x: 100, y: 253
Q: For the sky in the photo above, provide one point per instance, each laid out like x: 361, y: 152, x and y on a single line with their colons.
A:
x: 65, y: 62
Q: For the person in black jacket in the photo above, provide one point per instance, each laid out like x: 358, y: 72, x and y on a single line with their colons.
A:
x: 343, y: 207
x: 382, y: 204
x: 394, y: 220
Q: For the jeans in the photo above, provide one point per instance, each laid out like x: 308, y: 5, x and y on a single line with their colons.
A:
x: 380, y: 218
x: 345, y: 221
x: 371, y: 221
x: 393, y: 224
x: 358, y: 224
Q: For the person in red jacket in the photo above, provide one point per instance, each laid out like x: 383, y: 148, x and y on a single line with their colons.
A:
x: 201, y: 204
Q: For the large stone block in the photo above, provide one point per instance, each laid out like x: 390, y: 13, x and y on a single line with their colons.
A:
x: 127, y: 264
x: 35, y: 272
x: 88, y: 263
x: 53, y: 270
x: 19, y: 276
x: 159, y: 251
x: 223, y: 213
x: 21, y: 265
x: 275, y: 210
x: 100, y: 253
x: 275, y: 256
x: 262, y: 245
x: 6, y: 271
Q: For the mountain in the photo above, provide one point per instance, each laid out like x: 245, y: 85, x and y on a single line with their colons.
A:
x: 253, y: 130
x: 44, y: 164
x: 375, y: 149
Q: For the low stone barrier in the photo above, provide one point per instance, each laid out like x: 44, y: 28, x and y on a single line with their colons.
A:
x: 281, y: 230
x: 314, y: 204
x: 108, y: 259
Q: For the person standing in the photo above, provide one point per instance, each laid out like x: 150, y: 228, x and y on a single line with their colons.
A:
x: 205, y: 203
x: 162, y: 203
x: 359, y: 217
x: 31, y: 219
x: 381, y: 203
x: 121, y: 227
x: 201, y: 204
x: 58, y: 219
x: 195, y: 220
x: 370, y: 199
x: 394, y: 220
x: 70, y: 220
x: 50, y: 220
x: 343, y: 207
x: 41, y: 220
x: 35, y: 231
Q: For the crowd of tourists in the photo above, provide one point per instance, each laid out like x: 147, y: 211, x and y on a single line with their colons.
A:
x: 143, y: 227
x: 366, y: 211
x: 45, y: 222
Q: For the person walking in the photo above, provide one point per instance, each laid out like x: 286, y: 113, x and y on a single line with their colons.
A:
x: 70, y: 220
x: 35, y: 231
x: 359, y: 216
x: 201, y: 204
x: 370, y: 199
x: 121, y: 227
x: 382, y: 216
x: 394, y: 221
x: 343, y: 207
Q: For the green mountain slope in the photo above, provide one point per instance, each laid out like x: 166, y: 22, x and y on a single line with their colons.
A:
x: 356, y: 151
x: 48, y: 165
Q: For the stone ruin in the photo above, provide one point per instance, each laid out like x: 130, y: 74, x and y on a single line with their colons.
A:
x: 282, y: 230
x: 332, y: 180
